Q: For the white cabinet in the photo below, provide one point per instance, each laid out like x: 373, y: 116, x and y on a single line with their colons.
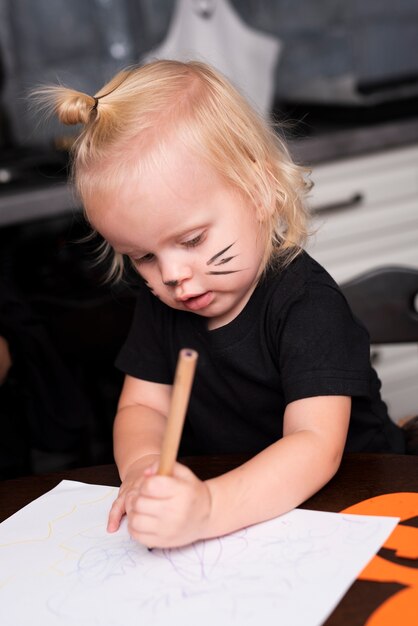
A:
x: 366, y: 215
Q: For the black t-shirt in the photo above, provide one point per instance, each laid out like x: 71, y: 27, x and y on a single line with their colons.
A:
x: 296, y: 338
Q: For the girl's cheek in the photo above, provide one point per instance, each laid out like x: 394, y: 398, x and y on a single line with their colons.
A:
x: 146, y: 274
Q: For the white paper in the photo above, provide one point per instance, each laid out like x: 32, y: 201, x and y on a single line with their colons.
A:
x: 58, y: 565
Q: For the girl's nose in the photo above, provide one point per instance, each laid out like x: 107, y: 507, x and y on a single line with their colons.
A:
x: 173, y: 273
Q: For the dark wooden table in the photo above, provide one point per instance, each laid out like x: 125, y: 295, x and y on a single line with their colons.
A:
x: 361, y: 476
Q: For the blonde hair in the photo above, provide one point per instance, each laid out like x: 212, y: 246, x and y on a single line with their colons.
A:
x: 144, y: 107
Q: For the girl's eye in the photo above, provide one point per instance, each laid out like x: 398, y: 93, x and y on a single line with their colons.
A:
x: 147, y: 258
x: 195, y: 241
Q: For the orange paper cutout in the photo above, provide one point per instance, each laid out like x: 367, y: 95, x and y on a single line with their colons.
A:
x: 402, y: 607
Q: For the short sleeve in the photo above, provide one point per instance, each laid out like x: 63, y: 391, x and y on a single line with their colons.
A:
x: 323, y: 349
x: 143, y: 354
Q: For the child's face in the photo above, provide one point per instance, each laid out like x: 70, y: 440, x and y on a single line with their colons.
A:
x: 193, y: 238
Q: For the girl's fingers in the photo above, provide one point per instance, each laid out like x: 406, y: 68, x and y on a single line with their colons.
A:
x: 152, y: 469
x: 116, y: 513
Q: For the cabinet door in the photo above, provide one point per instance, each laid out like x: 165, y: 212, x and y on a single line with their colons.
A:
x: 365, y: 215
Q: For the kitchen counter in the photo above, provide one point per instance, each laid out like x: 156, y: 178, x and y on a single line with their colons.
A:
x: 51, y: 199
x: 352, y: 142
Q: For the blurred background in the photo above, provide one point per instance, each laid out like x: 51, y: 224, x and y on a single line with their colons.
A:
x: 342, y: 75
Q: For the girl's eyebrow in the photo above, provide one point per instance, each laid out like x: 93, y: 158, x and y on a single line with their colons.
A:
x: 218, y: 254
x: 120, y: 249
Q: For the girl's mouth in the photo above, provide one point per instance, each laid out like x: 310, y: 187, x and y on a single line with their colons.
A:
x: 195, y: 303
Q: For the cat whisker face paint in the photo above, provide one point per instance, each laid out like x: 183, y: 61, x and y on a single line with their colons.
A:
x: 216, y: 261
x: 216, y: 256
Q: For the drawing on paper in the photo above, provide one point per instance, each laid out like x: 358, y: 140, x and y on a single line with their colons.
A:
x: 57, y: 554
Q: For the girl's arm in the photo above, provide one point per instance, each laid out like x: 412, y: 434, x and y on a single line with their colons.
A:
x: 137, y: 435
x: 174, y: 511
x: 286, y: 473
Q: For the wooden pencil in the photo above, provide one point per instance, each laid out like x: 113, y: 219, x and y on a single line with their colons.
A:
x: 182, y: 386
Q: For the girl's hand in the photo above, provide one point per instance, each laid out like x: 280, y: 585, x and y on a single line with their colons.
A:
x: 133, y: 481
x: 168, y: 511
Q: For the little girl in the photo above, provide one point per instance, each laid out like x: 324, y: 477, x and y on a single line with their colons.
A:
x: 184, y: 181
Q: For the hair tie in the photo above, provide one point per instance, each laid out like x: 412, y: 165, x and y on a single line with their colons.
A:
x: 97, y: 98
